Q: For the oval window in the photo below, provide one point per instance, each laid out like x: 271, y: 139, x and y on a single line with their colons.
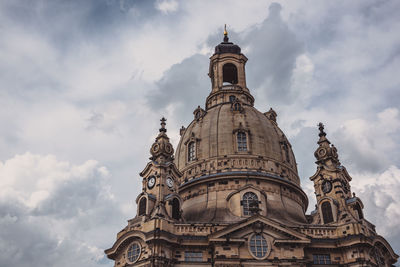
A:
x: 258, y: 246
x: 133, y: 252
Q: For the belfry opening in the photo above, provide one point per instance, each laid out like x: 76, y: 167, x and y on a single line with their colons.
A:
x: 230, y: 75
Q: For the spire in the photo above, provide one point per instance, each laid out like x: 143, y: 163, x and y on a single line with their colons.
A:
x: 326, y: 153
x: 162, y: 129
x: 226, y: 39
x: 322, y: 135
x: 162, y: 150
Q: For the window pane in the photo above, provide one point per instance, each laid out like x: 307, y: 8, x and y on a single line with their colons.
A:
x: 241, y: 141
x: 249, y: 199
x: 193, y: 256
x: 258, y: 246
x: 191, y: 151
x: 322, y: 259
x: 133, y: 252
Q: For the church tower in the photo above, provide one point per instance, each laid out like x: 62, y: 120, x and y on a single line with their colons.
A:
x: 231, y: 195
x: 335, y: 201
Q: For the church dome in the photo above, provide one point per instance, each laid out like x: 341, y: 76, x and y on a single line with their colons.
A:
x: 233, y: 157
x: 214, y: 135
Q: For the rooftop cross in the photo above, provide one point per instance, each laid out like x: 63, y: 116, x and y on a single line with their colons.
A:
x: 163, y: 120
x: 321, y: 129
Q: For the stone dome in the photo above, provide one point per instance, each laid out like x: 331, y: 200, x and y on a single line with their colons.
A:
x: 235, y: 160
x: 214, y: 134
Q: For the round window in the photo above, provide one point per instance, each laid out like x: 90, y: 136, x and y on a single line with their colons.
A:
x: 258, y: 246
x: 133, y: 252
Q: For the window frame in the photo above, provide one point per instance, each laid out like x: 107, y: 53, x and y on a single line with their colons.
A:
x: 140, y: 207
x: 245, y: 204
x: 267, y: 244
x: 322, y: 259
x: 242, y: 143
x: 327, y: 213
x: 195, y: 256
x: 191, y: 151
x: 139, y: 249
x: 175, y: 208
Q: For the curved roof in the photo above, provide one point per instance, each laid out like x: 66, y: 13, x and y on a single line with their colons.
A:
x: 215, y: 136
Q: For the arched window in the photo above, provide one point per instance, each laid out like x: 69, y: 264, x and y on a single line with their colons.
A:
x: 232, y: 98
x: 191, y: 151
x: 142, y: 206
x: 175, y: 209
x: 258, y: 246
x: 241, y: 141
x: 237, y: 106
x: 250, y: 203
x: 327, y: 212
x: 230, y: 73
x: 358, y: 210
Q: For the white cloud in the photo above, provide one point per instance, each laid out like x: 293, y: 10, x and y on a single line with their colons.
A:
x: 52, y: 205
x: 166, y: 6
x: 381, y: 198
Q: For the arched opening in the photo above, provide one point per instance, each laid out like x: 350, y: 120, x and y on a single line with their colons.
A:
x: 191, y: 151
x: 175, y: 209
x: 232, y: 98
x: 237, y: 107
x: 327, y: 212
x: 142, y: 206
x: 358, y: 210
x: 241, y: 141
x: 250, y: 203
x: 230, y: 75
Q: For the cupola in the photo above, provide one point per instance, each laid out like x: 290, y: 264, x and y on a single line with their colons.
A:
x: 227, y: 74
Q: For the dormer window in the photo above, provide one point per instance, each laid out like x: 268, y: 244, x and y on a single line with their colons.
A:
x: 241, y: 141
x: 230, y: 74
x: 191, y: 151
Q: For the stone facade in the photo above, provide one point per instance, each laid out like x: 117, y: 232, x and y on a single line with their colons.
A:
x: 231, y: 196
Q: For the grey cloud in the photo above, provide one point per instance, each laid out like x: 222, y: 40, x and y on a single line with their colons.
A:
x: 185, y: 85
x: 273, y: 49
x: 65, y: 224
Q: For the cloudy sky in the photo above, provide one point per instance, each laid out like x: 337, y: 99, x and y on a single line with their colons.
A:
x: 83, y: 85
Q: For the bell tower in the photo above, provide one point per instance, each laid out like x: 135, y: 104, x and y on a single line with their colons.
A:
x: 159, y: 197
x: 335, y: 202
x: 228, y: 76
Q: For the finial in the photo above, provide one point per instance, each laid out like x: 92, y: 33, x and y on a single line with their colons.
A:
x: 162, y: 129
x: 226, y: 39
x: 321, y: 129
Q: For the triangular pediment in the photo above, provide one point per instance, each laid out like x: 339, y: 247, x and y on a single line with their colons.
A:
x: 280, y: 233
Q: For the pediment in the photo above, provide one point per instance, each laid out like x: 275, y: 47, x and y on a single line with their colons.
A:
x: 239, y: 231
